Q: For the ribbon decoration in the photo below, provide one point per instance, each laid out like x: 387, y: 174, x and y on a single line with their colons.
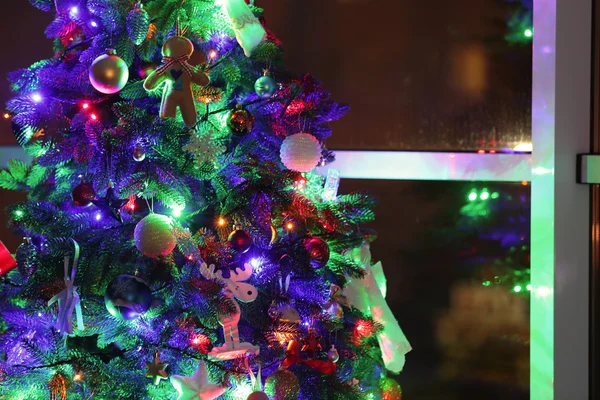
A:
x: 168, y: 62
x: 248, y: 30
x: 368, y: 295
x: 293, y: 357
x: 68, y: 300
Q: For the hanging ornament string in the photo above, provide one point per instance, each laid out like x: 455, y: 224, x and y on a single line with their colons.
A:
x: 68, y: 300
x: 182, y: 61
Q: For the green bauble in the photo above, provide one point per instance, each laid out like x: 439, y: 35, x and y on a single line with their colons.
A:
x: 282, y: 385
x: 265, y: 86
x: 153, y: 236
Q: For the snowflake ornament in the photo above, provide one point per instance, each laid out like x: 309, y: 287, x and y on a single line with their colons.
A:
x: 204, y: 149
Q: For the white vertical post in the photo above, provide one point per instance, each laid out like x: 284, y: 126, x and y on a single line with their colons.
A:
x: 560, y: 207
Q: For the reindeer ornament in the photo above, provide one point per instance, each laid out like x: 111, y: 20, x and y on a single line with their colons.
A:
x: 242, y: 291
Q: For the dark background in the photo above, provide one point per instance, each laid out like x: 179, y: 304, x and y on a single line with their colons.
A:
x: 418, y: 76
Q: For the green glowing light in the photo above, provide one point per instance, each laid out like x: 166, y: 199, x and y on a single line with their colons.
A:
x: 484, y: 195
x: 528, y: 33
x: 529, y: 287
x: 19, y: 213
x: 176, y: 213
x: 486, y: 283
x: 495, y: 195
x: 517, y: 289
x: 473, y: 196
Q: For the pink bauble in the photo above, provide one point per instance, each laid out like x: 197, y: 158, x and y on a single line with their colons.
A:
x: 300, y: 152
x: 258, y: 396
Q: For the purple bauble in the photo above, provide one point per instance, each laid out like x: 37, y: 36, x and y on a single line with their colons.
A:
x: 240, y: 241
x: 127, y: 297
x: 318, y: 250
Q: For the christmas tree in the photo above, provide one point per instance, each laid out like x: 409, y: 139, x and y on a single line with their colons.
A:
x: 178, y: 241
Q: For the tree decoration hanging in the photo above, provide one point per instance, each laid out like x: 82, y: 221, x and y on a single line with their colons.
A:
x: 68, y: 299
x: 205, y: 149
x: 285, y: 310
x: 7, y: 262
x: 282, y: 385
x: 248, y: 29
x: 156, y: 369
x: 83, y: 194
x: 127, y: 297
x: 109, y: 73
x: 240, y: 241
x: 318, y: 251
x: 300, y: 152
x: 390, y: 389
x: 265, y: 86
x: 237, y: 289
x: 27, y: 259
x: 154, y: 237
x: 177, y: 75
x: 196, y: 386
x: 240, y: 121
x: 139, y: 154
x: 110, y: 204
x: 138, y: 23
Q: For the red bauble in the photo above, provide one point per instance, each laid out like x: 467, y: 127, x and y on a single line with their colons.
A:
x: 7, y: 261
x: 240, y: 241
x: 318, y: 251
x: 240, y: 121
x: 83, y: 194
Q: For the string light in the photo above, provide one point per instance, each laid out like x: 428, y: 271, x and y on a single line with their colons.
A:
x: 85, y: 106
x: 94, y: 117
x: 484, y: 195
x: 528, y: 33
x: 94, y: 24
x: 473, y: 196
x: 213, y: 54
x: 221, y: 222
x: 36, y: 97
x: 289, y: 226
x: 518, y: 288
x: 78, y: 377
x: 98, y: 216
x: 19, y: 213
x: 529, y: 287
x: 6, y: 116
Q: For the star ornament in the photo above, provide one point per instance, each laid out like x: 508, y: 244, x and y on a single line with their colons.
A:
x: 156, y: 369
x: 312, y: 343
x: 196, y: 386
x: 110, y: 204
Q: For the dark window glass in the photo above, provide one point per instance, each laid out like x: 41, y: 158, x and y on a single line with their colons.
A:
x: 447, y: 75
x: 456, y: 257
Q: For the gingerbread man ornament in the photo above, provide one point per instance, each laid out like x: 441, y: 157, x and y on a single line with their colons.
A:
x: 177, y: 75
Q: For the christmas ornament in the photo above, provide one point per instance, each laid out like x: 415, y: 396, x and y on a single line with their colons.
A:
x: 138, y: 23
x: 286, y: 311
x: 127, y: 297
x: 258, y: 396
x: 240, y: 121
x: 248, y: 30
x: 334, y: 306
x: 244, y: 292
x: 204, y: 149
x: 156, y: 369
x: 109, y: 73
x: 68, y: 299
x: 154, y: 236
x: 240, y: 241
x: 7, y: 262
x: 83, y: 194
x: 390, y: 389
x: 265, y: 86
x: 197, y: 386
x: 333, y: 355
x: 312, y: 343
x: 139, y: 154
x: 367, y: 295
x: 177, y: 75
x: 292, y: 357
x: 58, y: 387
x: 318, y: 251
x: 300, y: 152
x: 258, y: 393
x: 282, y: 385
x: 110, y: 204
x: 136, y: 204
x: 332, y: 185
x: 27, y: 259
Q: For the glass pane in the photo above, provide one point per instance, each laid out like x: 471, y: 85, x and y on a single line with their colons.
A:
x: 454, y: 75
x: 456, y: 256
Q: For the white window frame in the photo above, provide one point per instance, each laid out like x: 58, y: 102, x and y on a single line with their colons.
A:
x: 560, y: 208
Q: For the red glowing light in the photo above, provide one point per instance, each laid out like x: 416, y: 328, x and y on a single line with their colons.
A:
x: 6, y: 115
x: 492, y: 151
x: 85, y: 106
x: 213, y: 54
x: 94, y: 117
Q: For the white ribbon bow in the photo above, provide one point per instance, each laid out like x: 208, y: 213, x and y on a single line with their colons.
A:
x: 68, y: 300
